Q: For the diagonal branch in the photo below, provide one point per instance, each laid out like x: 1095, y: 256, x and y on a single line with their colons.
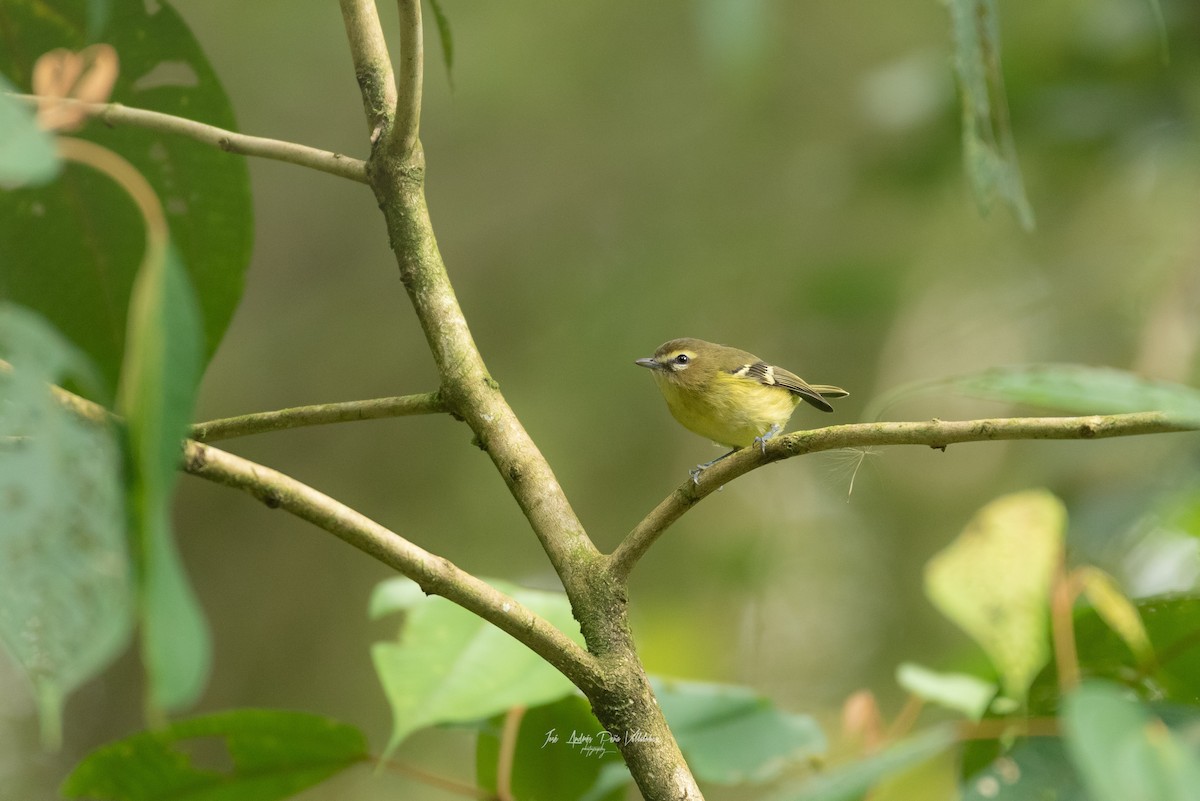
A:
x: 317, y: 415
x: 113, y: 114
x: 932, y: 433
x: 372, y: 64
x: 434, y: 574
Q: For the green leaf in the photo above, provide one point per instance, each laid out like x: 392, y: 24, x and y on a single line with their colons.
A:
x: 961, y: 692
x: 731, y: 735
x: 394, y: 595
x: 1123, y: 751
x: 243, y: 755
x: 994, y: 582
x: 1078, y: 389
x: 562, y: 753
x: 65, y: 599
x: 72, y: 248
x: 1070, y: 388
x: 26, y: 152
x: 158, y: 387
x: 444, y: 35
x: 989, y: 152
x: 448, y: 665
x: 851, y: 781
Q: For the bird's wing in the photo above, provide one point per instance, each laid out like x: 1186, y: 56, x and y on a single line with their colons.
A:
x: 773, y: 376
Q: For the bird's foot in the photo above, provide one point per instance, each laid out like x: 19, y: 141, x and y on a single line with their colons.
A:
x: 761, y: 442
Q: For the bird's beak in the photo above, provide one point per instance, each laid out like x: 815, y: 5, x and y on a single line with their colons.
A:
x: 652, y: 363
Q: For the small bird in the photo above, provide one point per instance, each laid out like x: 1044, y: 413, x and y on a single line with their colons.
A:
x: 728, y: 395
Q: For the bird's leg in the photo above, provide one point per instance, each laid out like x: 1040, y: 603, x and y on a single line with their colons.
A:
x: 700, y: 468
x: 761, y: 442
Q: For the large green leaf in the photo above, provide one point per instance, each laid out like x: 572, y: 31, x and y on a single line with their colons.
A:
x: 1123, y: 751
x: 1079, y: 389
x: 562, y: 754
x: 65, y: 600
x: 732, y: 735
x: 449, y: 665
x: 26, y: 152
x: 244, y: 755
x: 1069, y: 388
x: 72, y: 248
x: 994, y: 582
x: 158, y: 387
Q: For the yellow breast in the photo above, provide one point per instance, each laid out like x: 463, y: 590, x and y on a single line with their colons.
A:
x: 731, y: 411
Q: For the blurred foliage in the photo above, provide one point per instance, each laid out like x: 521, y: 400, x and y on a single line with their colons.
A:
x: 607, y: 176
x: 82, y: 282
x: 63, y: 553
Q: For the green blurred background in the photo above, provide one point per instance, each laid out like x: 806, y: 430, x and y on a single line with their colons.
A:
x: 784, y: 177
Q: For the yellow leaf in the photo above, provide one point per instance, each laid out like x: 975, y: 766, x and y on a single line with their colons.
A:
x: 994, y: 582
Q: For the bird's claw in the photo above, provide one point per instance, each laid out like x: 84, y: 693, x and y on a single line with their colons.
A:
x: 761, y: 441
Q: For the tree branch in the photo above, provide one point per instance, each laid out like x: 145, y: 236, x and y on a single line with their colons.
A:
x: 933, y: 433
x: 435, y: 575
x: 403, y: 136
x: 113, y: 114
x: 372, y: 64
x: 316, y: 415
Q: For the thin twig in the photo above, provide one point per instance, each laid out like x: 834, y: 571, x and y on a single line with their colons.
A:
x: 230, y: 141
x: 403, y: 137
x: 316, y: 415
x: 372, y: 64
x: 434, y: 780
x: 933, y: 433
x: 434, y: 574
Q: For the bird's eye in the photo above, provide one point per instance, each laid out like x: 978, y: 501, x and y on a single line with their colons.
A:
x: 682, y: 359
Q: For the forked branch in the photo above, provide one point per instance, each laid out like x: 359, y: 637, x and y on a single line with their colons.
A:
x: 931, y: 433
